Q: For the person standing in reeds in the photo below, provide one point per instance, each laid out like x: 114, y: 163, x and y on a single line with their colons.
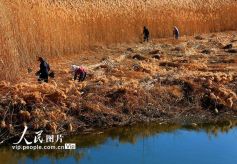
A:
x: 176, y: 32
x: 43, y: 73
x: 146, y: 34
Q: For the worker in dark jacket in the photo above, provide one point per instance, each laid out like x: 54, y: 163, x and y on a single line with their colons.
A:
x: 146, y: 34
x: 176, y: 32
x: 43, y: 73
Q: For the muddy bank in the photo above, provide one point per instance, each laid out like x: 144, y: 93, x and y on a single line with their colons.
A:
x: 192, y: 80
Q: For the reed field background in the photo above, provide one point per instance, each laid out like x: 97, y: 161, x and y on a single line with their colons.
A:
x: 48, y: 28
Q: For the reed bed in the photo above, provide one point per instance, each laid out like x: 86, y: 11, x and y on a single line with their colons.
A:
x: 31, y: 28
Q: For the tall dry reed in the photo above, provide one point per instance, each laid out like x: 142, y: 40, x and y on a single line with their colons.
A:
x: 30, y: 28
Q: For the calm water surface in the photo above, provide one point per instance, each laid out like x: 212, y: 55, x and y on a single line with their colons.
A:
x: 142, y: 144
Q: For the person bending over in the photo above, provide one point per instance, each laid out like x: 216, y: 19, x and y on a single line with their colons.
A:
x: 43, y: 73
x: 79, y: 72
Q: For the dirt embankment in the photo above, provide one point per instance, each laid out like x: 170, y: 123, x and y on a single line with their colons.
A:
x: 190, y: 80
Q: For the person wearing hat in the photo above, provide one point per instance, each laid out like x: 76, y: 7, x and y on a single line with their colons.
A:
x: 79, y: 72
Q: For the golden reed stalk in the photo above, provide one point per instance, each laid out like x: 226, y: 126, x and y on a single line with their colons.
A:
x: 29, y: 28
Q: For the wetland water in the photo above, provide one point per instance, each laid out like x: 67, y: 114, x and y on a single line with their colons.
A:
x: 146, y: 143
